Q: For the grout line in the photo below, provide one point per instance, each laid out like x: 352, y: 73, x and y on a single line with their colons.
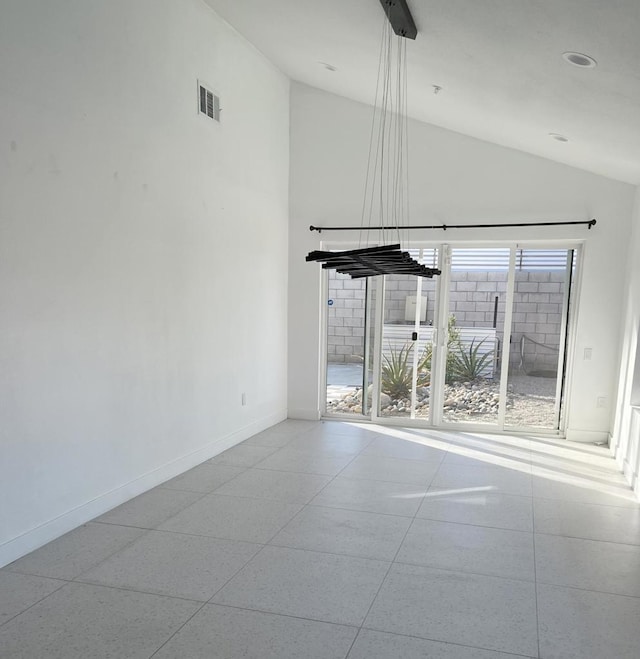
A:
x: 451, y: 643
x: 559, y: 500
x: 355, y: 510
x: 464, y: 571
x: 62, y: 585
x: 393, y: 560
x: 589, y: 590
x: 535, y: 573
x: 130, y: 589
x: 578, y: 537
x: 283, y: 615
x: 355, y: 638
x: 182, y: 626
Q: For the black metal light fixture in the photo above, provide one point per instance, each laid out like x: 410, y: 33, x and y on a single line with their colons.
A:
x: 386, y: 185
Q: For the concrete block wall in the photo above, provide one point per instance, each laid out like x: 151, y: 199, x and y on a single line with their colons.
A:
x: 345, y: 323
x: 398, y: 288
x: 537, y: 312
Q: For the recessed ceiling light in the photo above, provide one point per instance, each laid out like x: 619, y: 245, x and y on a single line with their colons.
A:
x: 329, y: 67
x: 579, y: 59
x: 558, y: 137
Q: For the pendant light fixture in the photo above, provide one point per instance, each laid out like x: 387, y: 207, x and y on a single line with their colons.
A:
x: 385, y: 205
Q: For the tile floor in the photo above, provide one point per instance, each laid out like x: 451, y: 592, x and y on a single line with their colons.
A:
x: 333, y: 540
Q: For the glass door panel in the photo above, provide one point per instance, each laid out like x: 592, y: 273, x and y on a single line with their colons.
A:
x: 399, y: 345
x: 538, y: 334
x: 407, y: 342
x: 346, y: 376
x: 476, y: 317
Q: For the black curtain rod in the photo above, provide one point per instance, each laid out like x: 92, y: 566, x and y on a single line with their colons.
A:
x: 444, y: 227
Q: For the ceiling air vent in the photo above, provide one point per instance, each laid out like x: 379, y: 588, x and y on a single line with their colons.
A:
x: 208, y: 102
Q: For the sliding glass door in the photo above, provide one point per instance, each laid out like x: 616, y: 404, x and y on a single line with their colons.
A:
x: 475, y: 335
x: 483, y: 345
x: 542, y: 294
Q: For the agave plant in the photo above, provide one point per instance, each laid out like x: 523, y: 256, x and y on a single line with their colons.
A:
x: 469, y: 365
x: 396, y: 372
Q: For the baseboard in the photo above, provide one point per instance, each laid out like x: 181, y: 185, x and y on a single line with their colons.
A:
x: 587, y: 436
x: 304, y: 414
x: 35, y: 538
x: 631, y: 475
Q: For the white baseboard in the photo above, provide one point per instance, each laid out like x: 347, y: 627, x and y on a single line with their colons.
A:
x: 587, y: 436
x: 631, y: 475
x: 304, y: 414
x: 54, y: 528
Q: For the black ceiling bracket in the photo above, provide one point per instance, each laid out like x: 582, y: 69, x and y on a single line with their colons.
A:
x: 400, y: 18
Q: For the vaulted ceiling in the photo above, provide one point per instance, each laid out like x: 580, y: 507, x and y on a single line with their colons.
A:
x: 499, y: 64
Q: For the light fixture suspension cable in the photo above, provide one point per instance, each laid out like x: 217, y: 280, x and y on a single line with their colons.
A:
x: 385, y: 188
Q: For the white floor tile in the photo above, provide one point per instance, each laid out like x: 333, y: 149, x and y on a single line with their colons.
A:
x: 306, y: 584
x: 150, y: 509
x: 345, y: 532
x: 371, y: 496
x: 173, y: 564
x: 219, y: 631
x: 412, y: 447
x: 343, y: 429
x: 77, y: 551
x: 288, y: 537
x: 204, y: 478
x: 20, y: 591
x: 581, y: 624
x: 501, y: 480
x: 381, y: 645
x: 233, y: 518
x: 467, y: 548
x: 479, y: 611
x: 471, y: 457
x: 288, y: 459
x: 582, y: 489
x: 373, y: 467
x: 81, y: 621
x: 278, y: 485
x: 479, y: 507
x: 331, y: 444
x: 270, y: 439
x: 588, y: 564
x: 585, y: 520
x: 243, y: 455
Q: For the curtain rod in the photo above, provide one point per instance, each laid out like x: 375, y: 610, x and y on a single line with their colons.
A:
x: 444, y: 227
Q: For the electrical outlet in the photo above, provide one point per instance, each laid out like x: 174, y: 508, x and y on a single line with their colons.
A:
x: 587, y: 353
x: 601, y: 401
x: 244, y: 398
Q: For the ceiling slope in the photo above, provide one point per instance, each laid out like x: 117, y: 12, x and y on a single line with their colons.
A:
x: 499, y: 64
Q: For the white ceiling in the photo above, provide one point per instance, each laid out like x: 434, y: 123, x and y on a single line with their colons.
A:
x: 499, y: 63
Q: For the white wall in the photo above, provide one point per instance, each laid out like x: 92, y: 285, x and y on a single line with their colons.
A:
x: 454, y: 179
x: 139, y: 244
x: 626, y: 434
